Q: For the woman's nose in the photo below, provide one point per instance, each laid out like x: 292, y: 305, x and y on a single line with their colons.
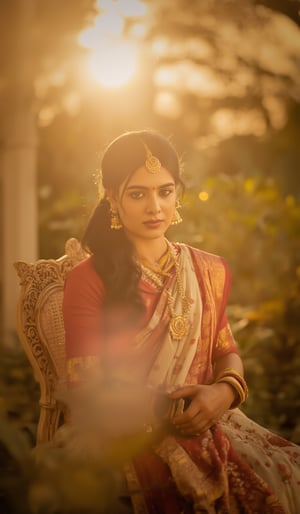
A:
x: 153, y: 205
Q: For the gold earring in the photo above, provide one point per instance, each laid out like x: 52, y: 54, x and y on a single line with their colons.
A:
x: 115, y: 222
x: 176, y: 216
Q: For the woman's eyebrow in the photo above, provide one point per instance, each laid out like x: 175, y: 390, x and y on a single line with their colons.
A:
x: 169, y: 184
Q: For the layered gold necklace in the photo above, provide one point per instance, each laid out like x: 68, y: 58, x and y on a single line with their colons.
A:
x: 156, y: 274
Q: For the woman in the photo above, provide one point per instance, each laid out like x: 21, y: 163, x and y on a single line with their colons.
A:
x: 150, y: 316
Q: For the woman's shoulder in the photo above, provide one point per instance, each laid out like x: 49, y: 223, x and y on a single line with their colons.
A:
x: 206, y: 258
x: 211, y: 265
x: 84, y: 274
x: 83, y: 268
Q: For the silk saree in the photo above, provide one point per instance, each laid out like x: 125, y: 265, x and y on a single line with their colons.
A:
x: 234, y: 467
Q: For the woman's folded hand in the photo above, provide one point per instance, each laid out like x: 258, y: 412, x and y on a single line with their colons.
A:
x: 207, y: 404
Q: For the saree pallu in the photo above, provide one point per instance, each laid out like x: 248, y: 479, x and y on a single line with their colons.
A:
x: 236, y: 466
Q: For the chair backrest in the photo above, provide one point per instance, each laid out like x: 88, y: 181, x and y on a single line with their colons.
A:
x: 41, y: 329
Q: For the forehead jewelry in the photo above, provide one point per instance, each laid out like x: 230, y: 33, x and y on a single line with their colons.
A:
x: 152, y: 163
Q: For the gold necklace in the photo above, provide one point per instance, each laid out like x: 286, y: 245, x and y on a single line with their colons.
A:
x: 162, y: 266
x: 178, y: 324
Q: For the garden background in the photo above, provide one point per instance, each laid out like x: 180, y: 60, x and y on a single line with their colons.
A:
x: 222, y: 79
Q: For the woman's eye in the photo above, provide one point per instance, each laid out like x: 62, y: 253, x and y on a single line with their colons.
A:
x: 166, y: 192
x: 136, y: 195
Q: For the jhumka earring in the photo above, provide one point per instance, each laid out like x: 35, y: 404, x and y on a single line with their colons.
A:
x: 115, y: 222
x: 176, y: 216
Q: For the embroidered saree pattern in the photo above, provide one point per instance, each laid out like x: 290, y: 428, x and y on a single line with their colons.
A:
x: 221, y: 482
x: 225, y: 470
x: 79, y: 368
x: 178, y: 354
x: 225, y: 338
x: 206, y: 470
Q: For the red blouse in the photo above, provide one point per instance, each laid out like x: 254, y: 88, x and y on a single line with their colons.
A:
x: 87, y: 341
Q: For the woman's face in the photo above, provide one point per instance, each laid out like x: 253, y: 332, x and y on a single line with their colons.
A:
x: 146, y: 204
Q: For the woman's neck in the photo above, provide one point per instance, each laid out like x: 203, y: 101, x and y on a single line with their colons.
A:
x: 150, y: 251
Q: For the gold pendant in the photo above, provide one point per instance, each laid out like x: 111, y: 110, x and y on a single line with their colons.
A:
x: 178, y: 327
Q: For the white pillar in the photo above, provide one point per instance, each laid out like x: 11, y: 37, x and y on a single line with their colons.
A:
x: 19, y: 204
x: 18, y: 162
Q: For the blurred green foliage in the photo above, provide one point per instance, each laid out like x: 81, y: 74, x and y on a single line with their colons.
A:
x: 254, y: 222
x: 18, y: 417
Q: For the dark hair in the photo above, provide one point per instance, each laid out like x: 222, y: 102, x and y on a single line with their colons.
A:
x: 112, y: 251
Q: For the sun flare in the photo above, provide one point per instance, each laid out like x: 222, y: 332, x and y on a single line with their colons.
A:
x: 113, y: 59
x: 113, y: 64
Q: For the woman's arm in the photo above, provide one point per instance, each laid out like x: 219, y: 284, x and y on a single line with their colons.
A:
x: 233, y: 362
x: 227, y: 389
x: 230, y: 360
x: 208, y: 403
x: 82, y: 307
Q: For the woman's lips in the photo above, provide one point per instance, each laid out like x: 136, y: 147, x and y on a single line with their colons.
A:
x: 153, y: 223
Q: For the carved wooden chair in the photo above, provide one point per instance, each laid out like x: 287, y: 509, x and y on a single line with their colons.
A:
x: 41, y: 330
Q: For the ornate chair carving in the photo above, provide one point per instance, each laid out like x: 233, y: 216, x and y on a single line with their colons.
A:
x: 41, y: 330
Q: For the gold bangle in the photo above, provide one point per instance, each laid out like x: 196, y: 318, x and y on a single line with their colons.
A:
x: 235, y: 374
x: 240, y: 397
x: 238, y: 383
x: 237, y: 398
x: 231, y: 372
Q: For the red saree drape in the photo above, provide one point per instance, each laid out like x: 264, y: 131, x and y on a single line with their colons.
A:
x: 176, y: 474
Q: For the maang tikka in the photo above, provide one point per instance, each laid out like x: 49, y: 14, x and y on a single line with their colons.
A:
x: 152, y: 163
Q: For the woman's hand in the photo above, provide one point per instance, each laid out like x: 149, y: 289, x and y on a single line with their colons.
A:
x: 207, y: 405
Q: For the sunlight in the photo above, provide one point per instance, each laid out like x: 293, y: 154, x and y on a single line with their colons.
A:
x: 113, y: 64
x: 186, y: 75
x: 113, y: 59
x: 167, y: 104
x: 130, y: 7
